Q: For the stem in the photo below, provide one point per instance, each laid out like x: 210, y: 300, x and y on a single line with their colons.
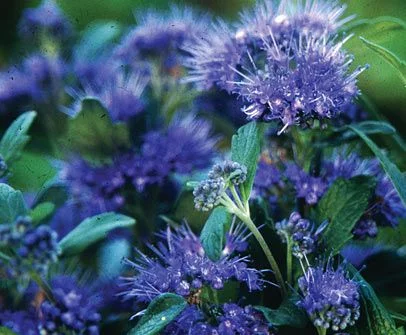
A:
x: 274, y: 266
x: 236, y: 197
x: 289, y: 260
x: 321, y: 330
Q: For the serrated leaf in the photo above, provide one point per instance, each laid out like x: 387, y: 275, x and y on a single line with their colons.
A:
x: 288, y: 314
x: 92, y: 230
x: 15, y: 138
x: 95, y: 38
x: 12, y: 204
x: 93, y: 134
x: 398, y: 178
x: 160, y: 312
x: 375, y: 319
x: 245, y: 149
x: 42, y: 211
x: 213, y: 233
x: 389, y: 57
x: 343, y: 205
x: 6, y: 331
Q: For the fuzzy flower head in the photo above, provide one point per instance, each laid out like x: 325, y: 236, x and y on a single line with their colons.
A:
x: 46, y: 19
x: 179, y: 265
x: 36, y: 248
x: 301, y: 234
x: 330, y: 298
x: 161, y: 36
x: 279, y: 64
x: 231, y: 171
x: 74, y: 309
x: 118, y: 92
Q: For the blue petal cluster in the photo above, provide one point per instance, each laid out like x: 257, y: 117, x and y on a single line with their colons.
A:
x: 285, y: 63
x: 180, y: 265
x: 46, y: 19
x: 230, y: 319
x: 36, y: 247
x: 20, y: 322
x: 162, y: 36
x: 73, y: 310
x: 300, y: 232
x: 330, y: 298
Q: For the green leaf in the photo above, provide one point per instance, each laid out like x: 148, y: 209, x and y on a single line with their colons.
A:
x: 95, y: 39
x: 388, y: 56
x: 343, y: 205
x: 12, y: 204
x: 53, y: 191
x: 398, y: 179
x: 92, y: 133
x: 213, y: 233
x: 42, y: 211
x: 288, y: 314
x: 381, y: 23
x: 161, y: 311
x: 375, y: 319
x: 245, y: 149
x: 16, y: 137
x: 92, y: 230
x: 108, y: 255
x: 6, y: 331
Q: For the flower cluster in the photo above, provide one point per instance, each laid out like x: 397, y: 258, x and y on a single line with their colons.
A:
x: 208, y: 193
x: 280, y: 64
x: 20, y: 322
x: 73, y: 309
x: 45, y: 20
x: 36, y: 247
x: 330, y: 298
x: 229, y: 319
x: 299, y: 232
x: 181, y: 266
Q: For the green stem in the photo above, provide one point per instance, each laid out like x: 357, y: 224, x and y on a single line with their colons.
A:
x: 321, y: 330
x: 289, y: 260
x: 274, y: 266
x: 236, y: 197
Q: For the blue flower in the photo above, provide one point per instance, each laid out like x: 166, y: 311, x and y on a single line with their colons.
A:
x: 47, y: 19
x: 74, y: 308
x: 300, y: 232
x: 158, y: 35
x: 281, y: 66
x: 120, y: 93
x: 180, y: 265
x: 20, y: 322
x: 330, y: 298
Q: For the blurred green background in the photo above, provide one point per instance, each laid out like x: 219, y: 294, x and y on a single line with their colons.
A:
x: 381, y: 83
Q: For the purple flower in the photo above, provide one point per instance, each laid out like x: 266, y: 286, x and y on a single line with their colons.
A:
x: 186, y: 145
x: 20, y: 322
x: 300, y: 233
x: 118, y: 92
x: 180, y: 265
x: 330, y: 298
x: 158, y: 35
x: 230, y: 319
x: 74, y: 308
x: 364, y: 229
x: 280, y: 64
x: 357, y: 255
x: 308, y: 187
x: 47, y: 19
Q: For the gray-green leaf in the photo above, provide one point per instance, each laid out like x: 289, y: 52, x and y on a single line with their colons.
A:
x: 398, y: 179
x: 343, y: 205
x: 213, y: 233
x: 42, y: 211
x: 288, y: 314
x: 388, y: 56
x: 92, y: 230
x: 93, y: 134
x: 375, y: 319
x: 245, y: 149
x: 12, y: 204
x: 16, y: 137
x: 160, y: 312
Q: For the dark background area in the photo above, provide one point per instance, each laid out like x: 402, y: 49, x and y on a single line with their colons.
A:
x: 380, y: 83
